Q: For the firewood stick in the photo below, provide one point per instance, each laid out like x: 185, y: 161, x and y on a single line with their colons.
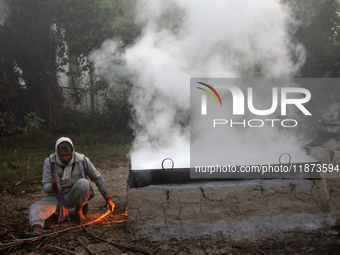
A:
x: 19, y: 241
x: 62, y: 249
x: 8, y: 251
x: 115, y: 244
x: 65, y: 242
x: 11, y: 235
x: 18, y: 252
x: 82, y: 244
x: 259, y: 251
x: 40, y: 244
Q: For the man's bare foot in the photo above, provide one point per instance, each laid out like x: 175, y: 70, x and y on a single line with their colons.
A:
x: 37, y: 229
x: 79, y: 214
x: 80, y: 218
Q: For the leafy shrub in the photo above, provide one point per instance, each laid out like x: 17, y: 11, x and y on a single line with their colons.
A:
x: 34, y: 124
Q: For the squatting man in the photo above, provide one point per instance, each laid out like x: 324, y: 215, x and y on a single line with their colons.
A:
x: 71, y: 170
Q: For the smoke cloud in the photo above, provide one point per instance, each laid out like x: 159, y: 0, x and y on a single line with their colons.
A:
x: 195, y: 38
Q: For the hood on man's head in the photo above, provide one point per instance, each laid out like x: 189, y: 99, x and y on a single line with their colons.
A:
x: 60, y: 140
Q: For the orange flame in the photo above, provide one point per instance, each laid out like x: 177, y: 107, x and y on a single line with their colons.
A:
x: 102, y: 216
x: 105, y: 214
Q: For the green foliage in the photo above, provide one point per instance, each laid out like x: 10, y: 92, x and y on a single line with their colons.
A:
x: 40, y: 38
x: 98, y: 88
x: 84, y: 26
x: 319, y: 33
x: 21, y: 163
x: 34, y: 124
x: 28, y: 49
x: 15, y: 156
x: 76, y: 122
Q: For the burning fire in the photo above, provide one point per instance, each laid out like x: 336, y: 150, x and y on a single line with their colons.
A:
x: 108, y: 211
x: 115, y: 218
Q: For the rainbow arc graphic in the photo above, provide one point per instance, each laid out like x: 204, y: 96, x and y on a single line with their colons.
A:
x: 204, y: 97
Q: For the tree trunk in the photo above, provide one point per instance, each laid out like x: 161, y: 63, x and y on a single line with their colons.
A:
x: 73, y: 80
x: 92, y: 91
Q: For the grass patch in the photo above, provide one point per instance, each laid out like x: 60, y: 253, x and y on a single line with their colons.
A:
x: 22, y: 156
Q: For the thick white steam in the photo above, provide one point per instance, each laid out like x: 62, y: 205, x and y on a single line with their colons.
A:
x: 193, y: 39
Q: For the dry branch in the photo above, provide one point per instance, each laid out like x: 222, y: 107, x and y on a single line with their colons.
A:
x: 82, y: 244
x: 62, y: 249
x: 115, y: 244
x: 19, y: 241
x: 65, y: 242
x: 18, y: 252
x: 259, y: 251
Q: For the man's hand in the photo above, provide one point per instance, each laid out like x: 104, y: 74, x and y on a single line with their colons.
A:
x: 55, y: 180
x: 110, y: 205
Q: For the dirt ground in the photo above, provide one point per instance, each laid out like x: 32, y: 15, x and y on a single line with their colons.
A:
x: 111, y: 236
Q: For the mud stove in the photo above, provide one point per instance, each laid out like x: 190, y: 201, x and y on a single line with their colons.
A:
x: 167, y: 201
